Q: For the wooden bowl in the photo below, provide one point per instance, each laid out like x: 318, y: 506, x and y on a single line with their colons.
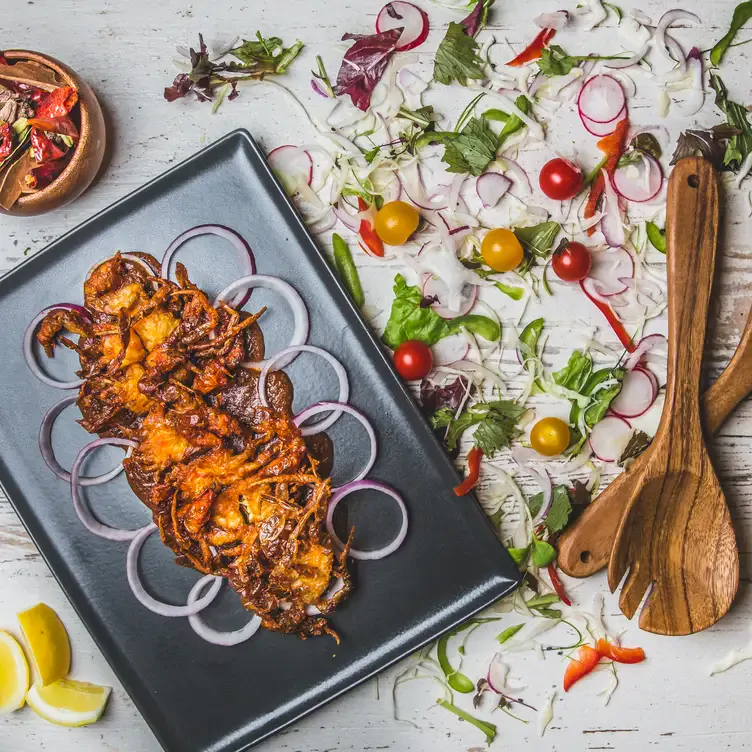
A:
x: 89, y: 152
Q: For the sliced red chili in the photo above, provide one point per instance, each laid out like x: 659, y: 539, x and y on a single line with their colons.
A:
x: 57, y: 103
x: 44, y: 148
x: 619, y: 654
x: 613, y: 321
x: 586, y: 660
x: 62, y: 125
x: 371, y: 241
x: 535, y: 49
x: 474, y: 457
x: 558, y: 585
x: 40, y: 177
x: 6, y: 140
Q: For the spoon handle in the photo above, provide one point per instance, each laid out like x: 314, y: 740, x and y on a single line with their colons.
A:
x: 585, y: 547
x: 691, y: 235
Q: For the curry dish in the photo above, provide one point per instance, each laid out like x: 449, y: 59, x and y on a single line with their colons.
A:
x: 234, y: 488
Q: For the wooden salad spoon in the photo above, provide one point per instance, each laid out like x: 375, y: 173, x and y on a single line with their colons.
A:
x: 585, y: 547
x: 675, y: 537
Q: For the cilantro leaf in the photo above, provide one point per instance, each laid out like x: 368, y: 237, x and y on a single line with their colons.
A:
x: 473, y: 149
x: 555, y: 62
x: 742, y: 14
x: 496, y: 421
x: 575, y: 374
x: 457, y: 58
x: 557, y: 517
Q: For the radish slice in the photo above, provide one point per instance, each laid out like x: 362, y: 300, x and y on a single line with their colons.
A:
x: 491, y: 186
x: 651, y: 376
x: 601, y: 99
x: 641, y: 181
x: 609, y: 438
x: 609, y: 269
x: 603, y: 129
x: 292, y: 166
x: 451, y: 348
x: 637, y: 394
x: 434, y: 287
x: 406, y: 16
x: 645, y: 345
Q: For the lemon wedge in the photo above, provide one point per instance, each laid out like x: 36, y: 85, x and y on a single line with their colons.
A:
x: 68, y: 702
x: 47, y: 641
x: 14, y: 674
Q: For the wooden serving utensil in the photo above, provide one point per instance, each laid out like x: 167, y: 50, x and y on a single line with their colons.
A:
x: 585, y: 547
x: 676, y: 533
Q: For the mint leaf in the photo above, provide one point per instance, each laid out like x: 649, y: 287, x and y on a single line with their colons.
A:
x: 496, y: 421
x: 457, y: 57
x: 473, y: 149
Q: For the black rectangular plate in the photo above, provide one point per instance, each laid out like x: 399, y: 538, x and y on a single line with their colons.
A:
x: 195, y: 696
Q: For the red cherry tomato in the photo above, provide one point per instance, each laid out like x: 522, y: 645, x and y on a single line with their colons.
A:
x: 413, y: 360
x: 560, y: 179
x: 571, y: 262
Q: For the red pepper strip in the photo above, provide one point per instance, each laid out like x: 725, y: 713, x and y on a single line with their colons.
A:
x: 473, y: 472
x: 57, y: 103
x: 613, y: 321
x: 535, y: 49
x: 613, y: 147
x: 586, y: 660
x: 370, y: 239
x: 6, y: 141
x: 607, y: 649
x: 62, y: 125
x: 558, y: 585
x: 44, y: 148
x: 40, y: 177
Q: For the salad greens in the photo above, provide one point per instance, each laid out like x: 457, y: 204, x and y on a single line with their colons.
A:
x: 739, y: 145
x: 555, y: 62
x: 457, y: 58
x: 473, y: 149
x: 557, y: 517
x: 496, y: 423
x: 742, y: 14
x: 576, y: 373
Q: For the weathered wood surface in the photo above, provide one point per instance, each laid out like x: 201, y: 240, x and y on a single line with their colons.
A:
x: 125, y: 50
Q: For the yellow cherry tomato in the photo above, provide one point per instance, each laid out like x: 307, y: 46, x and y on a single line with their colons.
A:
x: 396, y: 222
x: 550, y: 436
x: 501, y: 250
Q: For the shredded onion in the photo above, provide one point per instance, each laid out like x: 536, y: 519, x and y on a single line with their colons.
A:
x: 543, y: 479
x: 234, y: 238
x: 224, y: 639
x: 340, y: 493
x: 290, y: 294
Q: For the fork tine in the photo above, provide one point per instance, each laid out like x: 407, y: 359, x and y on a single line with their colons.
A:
x: 634, y: 589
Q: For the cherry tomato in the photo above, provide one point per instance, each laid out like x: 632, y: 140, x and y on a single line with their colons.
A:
x: 413, y: 360
x: 560, y: 179
x: 396, y: 222
x: 501, y: 250
x: 550, y: 436
x: 571, y: 262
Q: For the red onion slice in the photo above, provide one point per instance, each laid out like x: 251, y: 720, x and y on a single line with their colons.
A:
x: 344, y: 385
x: 603, y: 129
x: 48, y: 454
x: 491, y: 187
x: 358, y: 485
x: 665, y: 43
x: 610, y: 270
x: 639, y: 182
x: 292, y: 165
x: 200, y: 627
x: 81, y: 508
x: 601, y: 99
x: 637, y: 395
x: 146, y: 600
x: 340, y: 407
x: 406, y: 16
x: 28, y: 346
x: 520, y: 177
x: 290, y: 294
x: 645, y: 345
x: 609, y: 438
x: 235, y: 239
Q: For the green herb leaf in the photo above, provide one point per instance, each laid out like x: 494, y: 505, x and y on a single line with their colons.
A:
x: 441, y: 418
x: 539, y: 239
x: 346, y: 269
x: 527, y: 343
x: 498, y: 116
x: 537, y: 601
x: 601, y: 398
x: 549, y: 613
x: 555, y: 62
x: 616, y: 10
x: 576, y: 373
x: 519, y: 555
x: 742, y: 14
x: 473, y: 149
x: 489, y: 729
x: 409, y: 320
x: 543, y: 553
x: 558, y: 515
x: 656, y: 236
x: 508, y: 633
x: 496, y: 421
x: 457, y: 58
x: 739, y: 146
x: 512, y: 124
x: 636, y: 445
x: 265, y: 54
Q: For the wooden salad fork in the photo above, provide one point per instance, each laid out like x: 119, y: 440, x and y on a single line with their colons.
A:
x: 675, y: 537
x: 585, y: 547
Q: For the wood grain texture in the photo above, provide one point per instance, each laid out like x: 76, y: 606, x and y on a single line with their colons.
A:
x: 675, y: 537
x: 585, y: 547
x: 126, y: 51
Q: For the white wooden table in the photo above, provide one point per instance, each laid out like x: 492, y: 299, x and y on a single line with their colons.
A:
x: 125, y: 50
